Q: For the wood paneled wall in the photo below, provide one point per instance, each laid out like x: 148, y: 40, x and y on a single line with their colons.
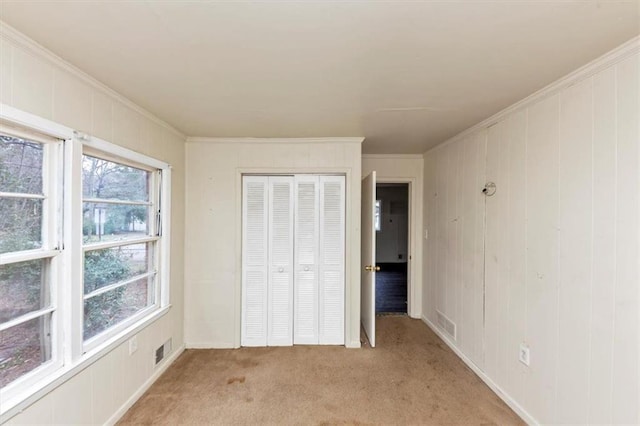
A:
x: 36, y: 81
x: 213, y: 225
x: 560, y: 266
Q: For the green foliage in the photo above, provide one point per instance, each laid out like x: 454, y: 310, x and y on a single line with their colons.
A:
x: 20, y: 229
x: 103, y: 267
x: 20, y: 171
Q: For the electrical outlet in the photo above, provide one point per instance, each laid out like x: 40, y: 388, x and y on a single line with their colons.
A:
x: 133, y: 345
x: 524, y: 355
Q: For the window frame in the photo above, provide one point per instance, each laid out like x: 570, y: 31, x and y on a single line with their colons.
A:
x: 377, y: 217
x: 49, y: 251
x: 152, y: 238
x: 71, y: 354
x: 75, y: 149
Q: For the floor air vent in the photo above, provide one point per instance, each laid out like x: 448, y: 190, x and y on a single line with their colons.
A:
x: 447, y: 325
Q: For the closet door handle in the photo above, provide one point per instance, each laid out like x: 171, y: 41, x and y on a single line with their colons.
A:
x: 306, y: 268
x: 281, y: 269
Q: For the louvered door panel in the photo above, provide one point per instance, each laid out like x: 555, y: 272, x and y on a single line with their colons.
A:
x: 254, y: 261
x: 306, y: 260
x: 331, y: 266
x: 281, y: 269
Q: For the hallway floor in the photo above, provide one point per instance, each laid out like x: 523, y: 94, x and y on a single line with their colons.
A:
x: 391, y: 288
x: 411, y: 377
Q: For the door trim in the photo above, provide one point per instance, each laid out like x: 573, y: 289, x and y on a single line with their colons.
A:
x: 413, y: 299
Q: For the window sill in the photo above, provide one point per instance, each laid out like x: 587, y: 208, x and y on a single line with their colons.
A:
x: 18, y: 403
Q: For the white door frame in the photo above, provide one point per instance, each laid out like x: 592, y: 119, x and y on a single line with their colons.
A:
x: 351, y: 292
x: 412, y: 287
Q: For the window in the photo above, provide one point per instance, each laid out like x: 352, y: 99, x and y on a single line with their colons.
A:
x: 378, y: 217
x: 84, y: 250
x: 29, y: 239
x: 120, y: 241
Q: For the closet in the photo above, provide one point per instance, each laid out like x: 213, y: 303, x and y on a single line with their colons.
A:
x: 293, y: 239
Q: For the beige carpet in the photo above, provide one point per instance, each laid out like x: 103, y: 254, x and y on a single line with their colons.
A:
x: 412, y: 377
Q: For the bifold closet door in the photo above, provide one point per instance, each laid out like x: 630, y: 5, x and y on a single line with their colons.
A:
x: 331, y: 260
x: 292, y: 297
x: 281, y: 271
x: 255, y: 248
x: 267, y: 261
x: 307, y: 222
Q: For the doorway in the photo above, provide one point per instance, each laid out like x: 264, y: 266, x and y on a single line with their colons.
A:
x: 392, y: 247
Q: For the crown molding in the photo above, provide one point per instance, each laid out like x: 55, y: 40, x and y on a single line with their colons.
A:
x: 610, y: 58
x: 199, y: 139
x: 392, y: 156
x: 19, y: 39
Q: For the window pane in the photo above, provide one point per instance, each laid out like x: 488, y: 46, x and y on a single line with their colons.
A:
x: 24, y: 348
x: 112, y: 181
x: 110, y: 308
x: 113, y: 222
x: 20, y: 165
x: 20, y: 224
x: 378, y: 216
x: 22, y: 289
x: 109, y: 266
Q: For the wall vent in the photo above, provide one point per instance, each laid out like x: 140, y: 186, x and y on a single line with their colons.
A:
x: 163, y: 350
x: 447, y: 325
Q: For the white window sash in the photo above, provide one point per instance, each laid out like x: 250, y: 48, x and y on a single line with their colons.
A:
x: 158, y: 284
x: 25, y: 318
x: 108, y: 288
x: 50, y: 249
x: 125, y: 202
x: 63, y: 246
x: 121, y: 243
x: 22, y: 195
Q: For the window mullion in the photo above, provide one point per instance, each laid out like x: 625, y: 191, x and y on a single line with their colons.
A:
x: 22, y: 195
x: 25, y: 256
x: 122, y: 202
x: 163, y: 249
x: 119, y: 284
x: 26, y: 317
x: 72, y: 292
x: 53, y: 190
x: 122, y: 243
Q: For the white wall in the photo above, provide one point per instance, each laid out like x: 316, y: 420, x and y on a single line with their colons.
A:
x: 405, y: 168
x: 562, y: 237
x: 392, y: 240
x: 34, y: 80
x: 213, y: 226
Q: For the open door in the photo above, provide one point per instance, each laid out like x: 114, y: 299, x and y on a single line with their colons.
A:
x: 368, y: 258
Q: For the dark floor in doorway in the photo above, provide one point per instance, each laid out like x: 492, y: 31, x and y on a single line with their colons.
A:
x: 391, y: 288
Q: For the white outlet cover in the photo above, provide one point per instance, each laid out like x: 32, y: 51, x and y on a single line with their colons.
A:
x: 524, y: 355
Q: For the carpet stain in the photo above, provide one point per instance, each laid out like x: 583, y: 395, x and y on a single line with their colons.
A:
x: 417, y: 380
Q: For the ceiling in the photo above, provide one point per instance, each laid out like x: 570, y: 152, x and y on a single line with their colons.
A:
x: 407, y: 75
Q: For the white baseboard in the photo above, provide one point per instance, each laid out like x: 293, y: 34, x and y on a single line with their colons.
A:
x: 524, y: 415
x: 208, y: 345
x: 354, y: 344
x: 156, y: 374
